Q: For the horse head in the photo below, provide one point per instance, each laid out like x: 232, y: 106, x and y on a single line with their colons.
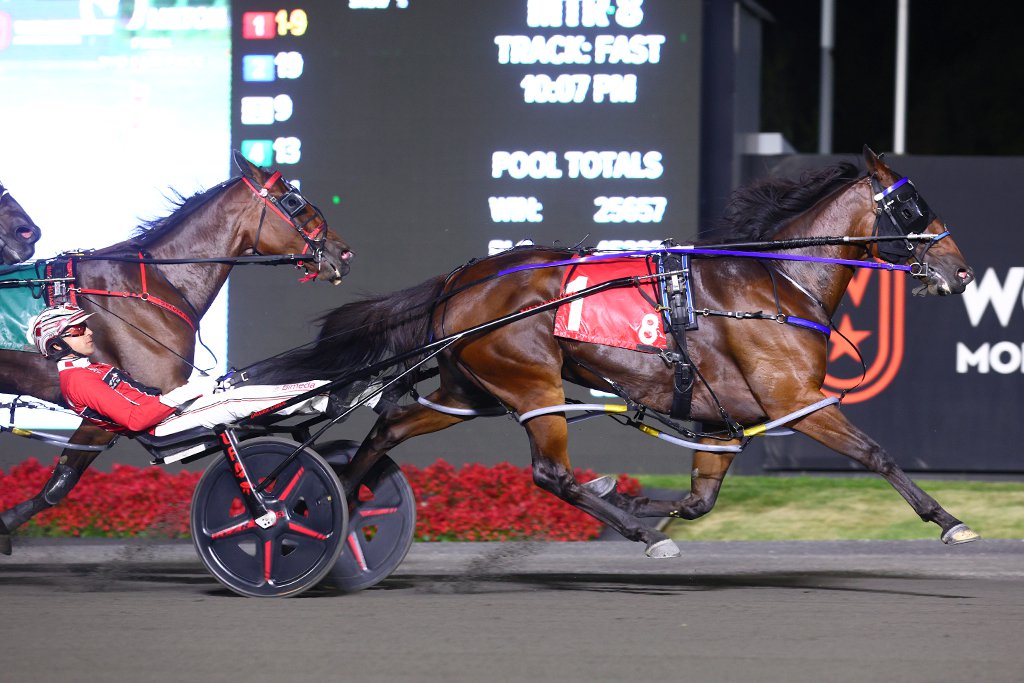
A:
x: 18, y: 232
x: 900, y: 210
x: 293, y: 225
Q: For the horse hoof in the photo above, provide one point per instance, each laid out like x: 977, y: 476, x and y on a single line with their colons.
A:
x: 665, y: 548
x: 601, y: 487
x: 961, y: 533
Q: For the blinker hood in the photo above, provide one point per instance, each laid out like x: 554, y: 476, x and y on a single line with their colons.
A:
x: 903, y: 211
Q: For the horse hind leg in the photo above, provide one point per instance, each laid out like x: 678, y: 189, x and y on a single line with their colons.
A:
x: 552, y: 472
x: 392, y: 428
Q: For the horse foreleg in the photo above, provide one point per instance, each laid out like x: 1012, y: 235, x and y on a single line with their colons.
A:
x: 65, y: 475
x: 831, y: 428
x: 553, y: 473
x: 706, y: 477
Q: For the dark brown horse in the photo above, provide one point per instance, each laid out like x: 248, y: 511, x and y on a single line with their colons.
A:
x: 18, y: 232
x: 257, y: 213
x: 758, y: 369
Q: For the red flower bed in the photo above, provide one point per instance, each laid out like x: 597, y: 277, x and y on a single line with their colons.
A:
x: 127, y: 501
x: 471, y: 503
x: 500, y: 503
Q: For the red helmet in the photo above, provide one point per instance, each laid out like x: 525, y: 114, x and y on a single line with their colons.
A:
x: 50, y: 324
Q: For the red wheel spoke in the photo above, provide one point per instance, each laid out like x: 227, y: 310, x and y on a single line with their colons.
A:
x: 267, y: 560
x: 306, y: 531
x: 374, y: 512
x: 357, y: 551
x: 292, y: 483
x: 234, y: 529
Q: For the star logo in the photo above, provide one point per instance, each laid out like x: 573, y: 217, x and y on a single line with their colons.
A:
x: 875, y: 319
x: 849, y: 337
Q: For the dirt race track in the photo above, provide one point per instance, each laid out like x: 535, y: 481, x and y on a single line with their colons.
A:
x: 787, y: 611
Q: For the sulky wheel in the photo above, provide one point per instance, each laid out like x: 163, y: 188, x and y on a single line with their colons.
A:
x: 293, y: 554
x: 382, y: 522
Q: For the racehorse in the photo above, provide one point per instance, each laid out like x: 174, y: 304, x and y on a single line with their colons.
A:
x: 257, y: 213
x: 751, y: 370
x: 18, y: 232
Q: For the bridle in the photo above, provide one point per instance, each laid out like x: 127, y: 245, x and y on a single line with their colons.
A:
x: 288, y: 206
x: 900, y: 211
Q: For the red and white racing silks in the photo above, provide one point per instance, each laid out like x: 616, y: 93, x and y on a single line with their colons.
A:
x: 110, y: 398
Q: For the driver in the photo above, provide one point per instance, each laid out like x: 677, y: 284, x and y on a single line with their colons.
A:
x: 110, y: 398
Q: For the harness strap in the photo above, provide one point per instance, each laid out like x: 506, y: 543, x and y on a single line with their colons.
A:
x: 56, y: 440
x: 144, y: 296
x: 762, y: 428
x: 677, y: 310
x: 757, y: 430
x: 264, y: 195
x: 462, y: 412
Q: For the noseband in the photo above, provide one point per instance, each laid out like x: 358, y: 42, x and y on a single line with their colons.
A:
x: 902, y: 211
x: 288, y: 206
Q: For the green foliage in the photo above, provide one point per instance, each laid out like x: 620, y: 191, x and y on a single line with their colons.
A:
x: 842, y: 508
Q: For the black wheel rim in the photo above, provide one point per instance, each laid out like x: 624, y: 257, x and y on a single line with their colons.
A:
x: 289, y: 557
x: 381, y: 529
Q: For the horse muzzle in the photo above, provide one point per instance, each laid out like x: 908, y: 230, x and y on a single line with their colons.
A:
x: 935, y: 283
x: 20, y: 245
x: 334, y: 269
x: 29, y: 234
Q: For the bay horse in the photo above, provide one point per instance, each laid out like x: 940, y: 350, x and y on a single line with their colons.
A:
x: 752, y: 370
x: 18, y: 232
x: 255, y: 213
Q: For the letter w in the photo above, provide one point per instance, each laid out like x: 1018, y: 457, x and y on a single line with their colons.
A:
x: 988, y: 290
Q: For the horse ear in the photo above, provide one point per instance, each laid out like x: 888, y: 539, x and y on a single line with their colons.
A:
x: 248, y: 169
x: 872, y: 160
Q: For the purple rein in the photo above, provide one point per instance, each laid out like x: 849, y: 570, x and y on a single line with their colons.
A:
x: 796, y: 243
x: 715, y: 252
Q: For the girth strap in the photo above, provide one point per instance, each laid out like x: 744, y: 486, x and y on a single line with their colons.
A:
x: 677, y: 313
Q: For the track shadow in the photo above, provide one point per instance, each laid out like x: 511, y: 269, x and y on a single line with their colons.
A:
x: 122, y: 577
x: 660, y: 584
x: 96, y: 578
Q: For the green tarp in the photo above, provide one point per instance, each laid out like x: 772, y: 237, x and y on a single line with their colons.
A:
x: 17, y: 305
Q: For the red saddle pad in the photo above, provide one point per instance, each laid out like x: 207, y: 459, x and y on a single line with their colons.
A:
x: 621, y: 316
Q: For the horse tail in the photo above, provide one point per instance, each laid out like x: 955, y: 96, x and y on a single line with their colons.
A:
x: 357, y: 335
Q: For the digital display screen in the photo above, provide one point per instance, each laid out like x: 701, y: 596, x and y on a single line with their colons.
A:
x: 449, y: 129
x: 108, y: 108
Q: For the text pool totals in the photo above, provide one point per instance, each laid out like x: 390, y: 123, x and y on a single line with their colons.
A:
x: 436, y: 131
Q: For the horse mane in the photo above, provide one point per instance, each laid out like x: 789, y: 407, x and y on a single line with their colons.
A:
x: 356, y: 335
x: 758, y: 210
x: 150, y: 231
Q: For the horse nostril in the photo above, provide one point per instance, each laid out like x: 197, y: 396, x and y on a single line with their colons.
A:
x: 26, y: 233
x: 965, y: 275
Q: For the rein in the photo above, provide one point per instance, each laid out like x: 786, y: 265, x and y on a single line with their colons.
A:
x: 739, y: 254
x: 144, y: 295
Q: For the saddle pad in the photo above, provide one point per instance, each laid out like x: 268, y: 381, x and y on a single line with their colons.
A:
x: 17, y: 305
x: 621, y: 316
